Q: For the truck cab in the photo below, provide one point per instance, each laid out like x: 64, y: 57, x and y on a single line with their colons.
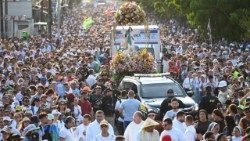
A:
x: 151, y: 90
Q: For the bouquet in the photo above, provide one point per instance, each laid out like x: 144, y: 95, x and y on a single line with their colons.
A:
x: 130, y: 14
x: 127, y: 64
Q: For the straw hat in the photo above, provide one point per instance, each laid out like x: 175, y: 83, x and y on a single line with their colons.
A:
x: 149, y: 122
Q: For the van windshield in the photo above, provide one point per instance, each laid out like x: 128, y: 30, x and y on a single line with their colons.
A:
x: 160, y: 90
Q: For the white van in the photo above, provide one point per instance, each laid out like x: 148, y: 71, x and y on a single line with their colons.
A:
x: 141, y: 39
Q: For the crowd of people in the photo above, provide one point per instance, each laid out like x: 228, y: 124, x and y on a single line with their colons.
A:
x: 60, y: 88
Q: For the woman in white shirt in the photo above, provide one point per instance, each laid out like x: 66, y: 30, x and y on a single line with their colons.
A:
x: 66, y: 133
x: 104, y: 135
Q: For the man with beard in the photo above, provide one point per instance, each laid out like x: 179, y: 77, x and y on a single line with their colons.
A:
x: 178, y: 122
x: 165, y: 105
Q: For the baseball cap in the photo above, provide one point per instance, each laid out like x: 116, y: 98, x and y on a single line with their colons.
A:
x: 170, y: 91
x: 7, y: 118
x: 104, y: 122
x: 51, y: 117
x: 29, y: 128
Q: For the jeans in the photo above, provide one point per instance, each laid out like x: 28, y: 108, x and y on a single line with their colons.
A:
x: 110, y: 119
x: 120, y: 127
x: 125, y: 124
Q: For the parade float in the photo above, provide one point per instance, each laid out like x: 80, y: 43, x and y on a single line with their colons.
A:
x: 135, y: 46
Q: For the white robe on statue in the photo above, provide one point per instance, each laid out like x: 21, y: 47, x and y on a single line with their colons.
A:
x: 94, y: 129
x: 132, y: 131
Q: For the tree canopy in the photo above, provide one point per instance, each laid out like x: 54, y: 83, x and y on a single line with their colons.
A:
x: 229, y: 19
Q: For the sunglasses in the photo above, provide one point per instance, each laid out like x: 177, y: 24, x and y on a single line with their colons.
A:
x: 151, y: 115
x: 104, y: 126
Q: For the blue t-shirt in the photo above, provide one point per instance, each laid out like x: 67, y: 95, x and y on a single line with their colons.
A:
x: 171, y: 114
x: 130, y: 106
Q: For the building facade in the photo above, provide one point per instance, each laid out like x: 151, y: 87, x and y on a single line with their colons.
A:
x: 19, y: 17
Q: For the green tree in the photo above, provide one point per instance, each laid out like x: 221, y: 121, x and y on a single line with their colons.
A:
x: 229, y: 19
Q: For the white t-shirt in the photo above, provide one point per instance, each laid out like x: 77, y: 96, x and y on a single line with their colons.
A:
x: 132, y: 131
x: 190, y: 133
x: 175, y: 134
x: 81, y: 132
x: 99, y: 137
x: 67, y: 134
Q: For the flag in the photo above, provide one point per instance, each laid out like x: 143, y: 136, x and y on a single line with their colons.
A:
x: 87, y: 23
x: 25, y: 35
x: 210, y: 32
x: 209, y: 28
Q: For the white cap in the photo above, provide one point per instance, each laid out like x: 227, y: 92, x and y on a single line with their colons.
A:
x: 215, y: 61
x: 6, y: 118
x: 222, y: 84
x: 50, y: 117
x: 29, y: 128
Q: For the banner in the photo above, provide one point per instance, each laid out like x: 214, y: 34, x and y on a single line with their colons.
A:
x: 87, y: 23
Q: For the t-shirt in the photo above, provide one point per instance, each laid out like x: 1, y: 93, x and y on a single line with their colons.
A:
x: 99, y: 137
x: 67, y: 134
x: 85, y: 107
x: 130, y: 106
x: 81, y: 132
x: 175, y: 134
x: 171, y: 114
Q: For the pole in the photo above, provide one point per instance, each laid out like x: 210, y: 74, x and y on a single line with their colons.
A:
x: 1, y: 17
x: 41, y: 12
x: 209, y: 28
x: 13, y: 28
x: 59, y: 18
x: 50, y: 18
x: 6, y: 20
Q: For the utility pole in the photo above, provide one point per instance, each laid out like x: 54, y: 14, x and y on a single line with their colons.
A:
x: 58, y: 17
x: 1, y: 17
x: 6, y: 20
x: 50, y: 17
x: 41, y: 12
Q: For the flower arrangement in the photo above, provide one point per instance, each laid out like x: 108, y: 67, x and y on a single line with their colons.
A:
x: 136, y: 62
x: 130, y: 14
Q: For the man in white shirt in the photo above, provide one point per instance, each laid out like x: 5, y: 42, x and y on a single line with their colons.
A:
x: 94, y: 127
x: 175, y: 134
x: 82, y: 128
x: 188, y: 82
x: 178, y: 122
x: 67, y: 133
x: 134, y: 127
x: 190, y: 133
